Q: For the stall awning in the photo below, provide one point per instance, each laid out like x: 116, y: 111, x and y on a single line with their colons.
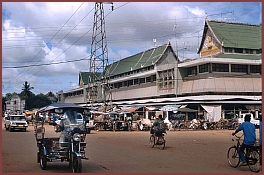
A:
x: 170, y: 108
x: 151, y: 108
x: 129, y: 109
x: 187, y: 110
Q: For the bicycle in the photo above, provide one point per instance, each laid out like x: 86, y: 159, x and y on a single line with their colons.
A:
x: 252, y: 155
x: 157, y: 138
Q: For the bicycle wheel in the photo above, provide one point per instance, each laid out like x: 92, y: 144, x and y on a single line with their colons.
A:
x: 161, y: 143
x: 233, y: 157
x: 253, y: 160
x: 152, y: 141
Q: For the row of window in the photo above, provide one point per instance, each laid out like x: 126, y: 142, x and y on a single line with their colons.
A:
x: 136, y: 81
x: 244, y: 51
x: 214, y: 67
x: 80, y: 92
x: 133, y: 72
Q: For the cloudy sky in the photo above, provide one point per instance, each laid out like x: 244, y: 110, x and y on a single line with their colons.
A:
x: 48, y: 43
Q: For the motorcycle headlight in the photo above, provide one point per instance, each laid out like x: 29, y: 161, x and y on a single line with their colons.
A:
x: 76, y: 137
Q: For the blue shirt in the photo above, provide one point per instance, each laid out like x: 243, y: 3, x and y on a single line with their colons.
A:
x: 260, y: 132
x: 249, y: 132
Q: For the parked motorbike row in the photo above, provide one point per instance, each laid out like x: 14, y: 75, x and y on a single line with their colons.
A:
x: 199, y: 124
x: 125, y: 121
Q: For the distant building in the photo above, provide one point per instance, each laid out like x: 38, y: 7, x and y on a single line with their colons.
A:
x: 226, y: 78
x: 15, y: 103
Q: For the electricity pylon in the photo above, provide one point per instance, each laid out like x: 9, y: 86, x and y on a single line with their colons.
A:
x: 99, y: 76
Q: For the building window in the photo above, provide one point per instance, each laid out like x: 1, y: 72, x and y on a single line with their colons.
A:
x: 142, y: 80
x: 136, y: 81
x: 204, y: 68
x: 238, y: 50
x: 125, y: 84
x: 255, y: 69
x: 259, y: 51
x: 248, y: 51
x: 239, y: 68
x: 153, y: 78
x: 148, y: 79
x: 120, y: 84
x: 130, y: 82
x: 166, y: 79
x: 228, y: 50
x: 192, y: 70
x: 220, y: 67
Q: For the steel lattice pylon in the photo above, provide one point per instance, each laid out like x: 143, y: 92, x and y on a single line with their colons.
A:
x: 98, y: 79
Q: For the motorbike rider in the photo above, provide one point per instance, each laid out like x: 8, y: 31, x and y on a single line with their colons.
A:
x: 248, y: 129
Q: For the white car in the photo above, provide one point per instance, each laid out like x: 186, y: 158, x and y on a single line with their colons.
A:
x: 16, y: 122
x: 252, y: 119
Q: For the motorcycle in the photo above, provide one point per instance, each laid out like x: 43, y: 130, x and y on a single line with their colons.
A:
x: 70, y: 146
x: 194, y: 124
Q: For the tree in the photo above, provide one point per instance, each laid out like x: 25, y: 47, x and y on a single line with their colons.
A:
x: 41, y: 100
x: 52, y: 96
x: 26, y: 93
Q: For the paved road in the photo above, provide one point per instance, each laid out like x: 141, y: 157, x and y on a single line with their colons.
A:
x: 127, y: 152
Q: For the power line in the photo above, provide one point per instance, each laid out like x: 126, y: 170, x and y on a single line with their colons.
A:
x: 44, y: 64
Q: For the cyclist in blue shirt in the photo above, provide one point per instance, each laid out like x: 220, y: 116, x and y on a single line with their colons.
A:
x: 260, y: 129
x: 249, y: 131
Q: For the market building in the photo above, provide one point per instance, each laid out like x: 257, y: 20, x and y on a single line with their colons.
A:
x: 225, y: 79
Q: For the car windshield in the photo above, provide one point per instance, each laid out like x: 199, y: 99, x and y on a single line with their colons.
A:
x: 21, y: 118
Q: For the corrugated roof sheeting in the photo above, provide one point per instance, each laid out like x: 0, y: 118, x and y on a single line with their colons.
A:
x: 138, y: 61
x: 237, y: 35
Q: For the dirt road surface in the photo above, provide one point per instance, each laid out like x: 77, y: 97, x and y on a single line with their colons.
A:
x: 128, y: 152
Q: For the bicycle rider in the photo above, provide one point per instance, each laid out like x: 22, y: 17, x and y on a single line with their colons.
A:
x: 159, y: 126
x: 249, y: 132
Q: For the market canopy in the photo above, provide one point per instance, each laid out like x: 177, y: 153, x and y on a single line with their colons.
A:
x: 170, y: 108
x: 53, y: 106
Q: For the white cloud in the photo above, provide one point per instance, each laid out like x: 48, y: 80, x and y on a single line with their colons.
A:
x: 196, y: 11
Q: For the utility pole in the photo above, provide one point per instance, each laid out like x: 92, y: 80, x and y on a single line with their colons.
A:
x: 99, y: 75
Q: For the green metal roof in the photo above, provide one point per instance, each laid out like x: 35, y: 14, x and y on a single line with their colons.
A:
x: 84, y: 76
x: 237, y: 35
x: 138, y: 61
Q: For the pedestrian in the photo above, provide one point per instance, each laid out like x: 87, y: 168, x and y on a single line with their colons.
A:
x: 249, y: 132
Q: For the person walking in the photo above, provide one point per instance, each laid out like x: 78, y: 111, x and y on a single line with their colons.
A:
x: 249, y: 132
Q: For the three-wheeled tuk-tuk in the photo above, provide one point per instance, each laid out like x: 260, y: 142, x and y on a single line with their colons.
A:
x: 70, y: 146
